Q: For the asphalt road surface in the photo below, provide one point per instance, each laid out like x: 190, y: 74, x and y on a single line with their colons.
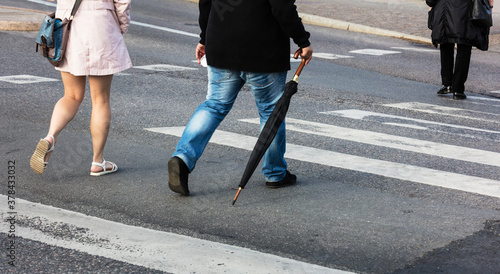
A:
x: 391, y: 177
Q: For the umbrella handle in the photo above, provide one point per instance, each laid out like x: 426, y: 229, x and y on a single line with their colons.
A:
x: 299, y: 70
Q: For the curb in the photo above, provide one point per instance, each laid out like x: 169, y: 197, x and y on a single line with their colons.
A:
x: 343, y: 25
x: 33, y: 24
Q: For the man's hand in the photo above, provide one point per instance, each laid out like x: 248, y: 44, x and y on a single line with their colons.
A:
x: 305, y: 53
x: 200, y: 52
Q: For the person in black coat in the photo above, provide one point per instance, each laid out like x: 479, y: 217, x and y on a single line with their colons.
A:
x: 450, y: 23
x: 245, y: 42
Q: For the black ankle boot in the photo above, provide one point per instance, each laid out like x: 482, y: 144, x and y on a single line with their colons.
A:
x: 444, y: 90
x: 459, y: 95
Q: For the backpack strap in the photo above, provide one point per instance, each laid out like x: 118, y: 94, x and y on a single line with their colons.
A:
x: 75, y: 9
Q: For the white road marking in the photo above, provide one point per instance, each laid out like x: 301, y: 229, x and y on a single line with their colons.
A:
x: 133, y: 22
x: 375, y: 52
x: 164, y: 29
x: 496, y: 100
x: 122, y: 74
x: 406, y: 125
x: 164, y: 67
x: 391, y: 141
x: 44, y: 2
x: 362, y: 114
x: 398, y: 171
x: 158, y: 250
x: 330, y: 56
x: 416, y: 49
x: 26, y: 79
x: 488, y: 102
x: 443, y: 110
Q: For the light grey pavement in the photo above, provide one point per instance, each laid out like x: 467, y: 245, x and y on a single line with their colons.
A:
x: 396, y: 18
x: 18, y: 19
x: 406, y: 19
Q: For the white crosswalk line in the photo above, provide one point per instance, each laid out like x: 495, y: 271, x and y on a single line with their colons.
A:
x: 416, y: 49
x: 25, y: 79
x: 392, y: 141
x: 43, y: 2
x: 443, y: 110
x: 164, y: 29
x: 153, y: 249
x: 374, y: 52
x: 330, y: 56
x: 164, y: 67
x: 399, y: 171
x: 495, y: 100
x: 362, y: 114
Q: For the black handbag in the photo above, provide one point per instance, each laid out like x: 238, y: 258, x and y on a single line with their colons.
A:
x: 481, y: 13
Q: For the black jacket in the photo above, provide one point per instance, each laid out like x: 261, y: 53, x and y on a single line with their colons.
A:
x: 250, y: 35
x: 450, y: 23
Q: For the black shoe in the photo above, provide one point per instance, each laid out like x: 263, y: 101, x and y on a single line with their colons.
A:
x: 289, y: 180
x: 459, y: 95
x: 178, y: 174
x: 444, y: 90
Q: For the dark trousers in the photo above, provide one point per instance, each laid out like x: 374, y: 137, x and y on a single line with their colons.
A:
x: 454, y: 72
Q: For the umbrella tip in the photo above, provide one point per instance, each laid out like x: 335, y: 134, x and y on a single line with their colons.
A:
x: 237, y: 194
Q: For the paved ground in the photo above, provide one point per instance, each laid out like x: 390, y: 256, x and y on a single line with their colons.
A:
x: 384, y: 17
x: 404, y: 16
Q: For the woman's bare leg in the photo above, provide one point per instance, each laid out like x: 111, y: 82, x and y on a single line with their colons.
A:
x: 67, y: 107
x: 100, y: 89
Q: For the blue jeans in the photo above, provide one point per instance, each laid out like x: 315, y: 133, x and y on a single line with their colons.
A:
x: 223, y: 88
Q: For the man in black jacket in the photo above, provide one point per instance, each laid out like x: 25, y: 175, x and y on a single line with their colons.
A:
x: 244, y: 42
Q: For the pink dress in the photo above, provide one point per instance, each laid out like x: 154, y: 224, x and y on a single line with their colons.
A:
x: 96, y: 45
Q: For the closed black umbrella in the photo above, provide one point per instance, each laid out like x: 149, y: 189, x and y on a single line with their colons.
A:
x: 270, y: 129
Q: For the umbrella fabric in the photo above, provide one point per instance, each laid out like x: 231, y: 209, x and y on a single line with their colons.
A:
x: 270, y: 129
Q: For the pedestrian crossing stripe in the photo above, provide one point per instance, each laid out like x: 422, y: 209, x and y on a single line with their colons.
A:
x: 164, y: 67
x: 363, y: 114
x: 159, y: 250
x: 443, y: 110
x: 185, y: 33
x: 330, y: 56
x: 26, y: 79
x: 495, y: 100
x: 391, y: 141
x: 375, y: 52
x: 416, y: 49
x: 389, y: 169
x: 44, y: 2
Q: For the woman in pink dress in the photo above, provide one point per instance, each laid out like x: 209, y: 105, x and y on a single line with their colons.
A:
x: 96, y: 49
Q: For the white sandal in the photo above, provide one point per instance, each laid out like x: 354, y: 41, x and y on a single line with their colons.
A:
x: 104, y: 171
x: 37, y: 162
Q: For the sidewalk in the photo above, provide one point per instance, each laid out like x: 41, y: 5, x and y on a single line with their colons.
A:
x: 17, y: 19
x: 404, y: 19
